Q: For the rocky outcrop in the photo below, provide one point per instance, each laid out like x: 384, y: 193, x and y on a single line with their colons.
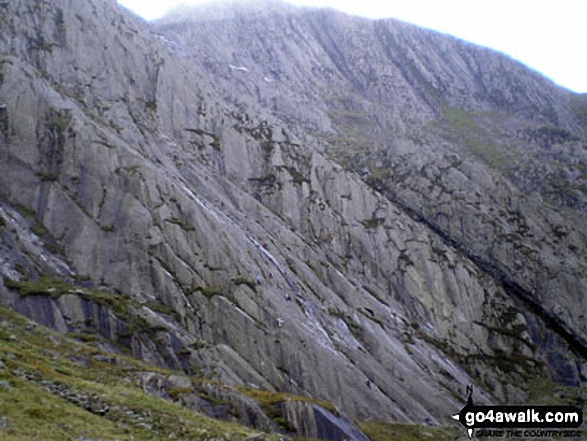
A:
x: 312, y: 421
x: 422, y: 118
x: 278, y: 198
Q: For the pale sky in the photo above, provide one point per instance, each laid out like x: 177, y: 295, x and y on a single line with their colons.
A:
x: 550, y: 36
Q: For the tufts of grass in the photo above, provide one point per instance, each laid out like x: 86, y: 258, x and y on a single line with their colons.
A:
x: 297, y: 177
x: 371, y: 317
x: 407, y: 432
x: 373, y: 222
x: 460, y: 119
x: 269, y: 399
x: 180, y: 224
x: 48, y: 176
x: 43, y: 286
x: 209, y: 291
x: 160, y: 308
x: 265, y: 181
x: 244, y: 281
x: 544, y: 391
x: 375, y: 295
x: 108, y: 228
x: 55, y: 288
x: 492, y: 155
x: 461, y: 127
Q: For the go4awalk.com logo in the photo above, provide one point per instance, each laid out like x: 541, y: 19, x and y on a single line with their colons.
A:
x: 520, y: 421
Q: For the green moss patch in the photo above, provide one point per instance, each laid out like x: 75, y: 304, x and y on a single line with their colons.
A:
x: 244, y: 281
x: 55, y: 288
x: 268, y: 400
x: 407, y: 432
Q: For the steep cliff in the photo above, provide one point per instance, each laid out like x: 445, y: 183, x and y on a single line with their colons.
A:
x: 487, y: 154
x: 293, y: 199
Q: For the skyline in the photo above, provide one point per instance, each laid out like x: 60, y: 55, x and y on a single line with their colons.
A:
x: 545, y: 36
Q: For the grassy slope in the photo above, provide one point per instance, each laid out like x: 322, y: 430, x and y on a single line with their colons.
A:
x: 36, y: 363
x: 408, y: 432
x: 34, y: 359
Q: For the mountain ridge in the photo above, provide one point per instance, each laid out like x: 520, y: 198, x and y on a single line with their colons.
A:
x: 463, y: 119
x: 225, y: 10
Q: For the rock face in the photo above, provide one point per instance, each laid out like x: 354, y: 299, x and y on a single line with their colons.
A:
x: 353, y: 210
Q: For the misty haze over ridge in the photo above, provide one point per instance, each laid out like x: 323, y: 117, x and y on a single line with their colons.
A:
x: 514, y: 52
